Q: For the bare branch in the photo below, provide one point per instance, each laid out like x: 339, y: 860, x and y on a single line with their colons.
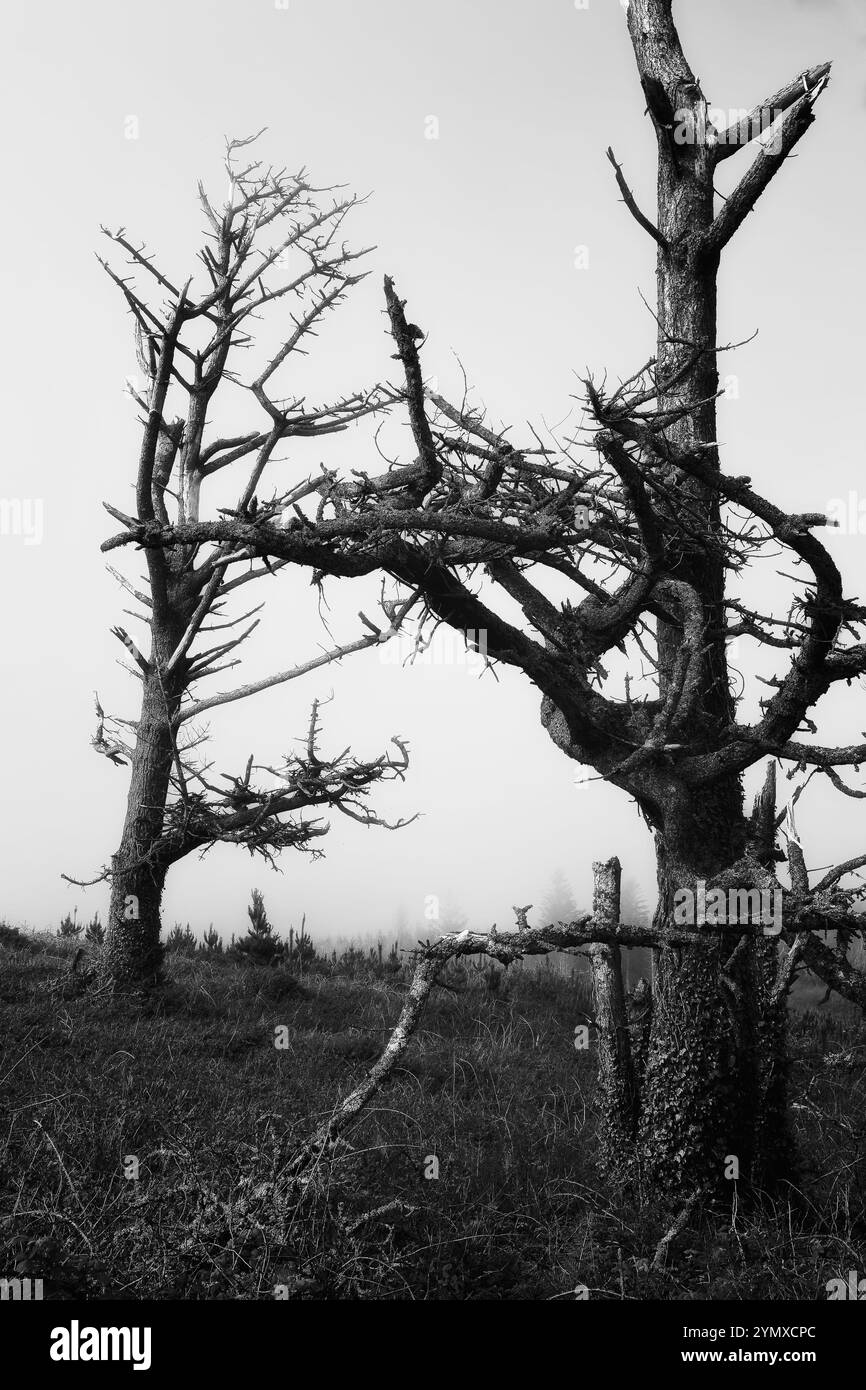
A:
x: 628, y: 199
x: 737, y: 207
x: 760, y: 118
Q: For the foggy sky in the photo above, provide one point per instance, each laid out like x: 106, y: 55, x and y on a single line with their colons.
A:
x: 480, y: 228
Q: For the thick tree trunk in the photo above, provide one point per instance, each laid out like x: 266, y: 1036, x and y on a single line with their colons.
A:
x: 715, y: 1083
x: 132, y: 953
x: 688, y: 1119
x: 708, y: 1083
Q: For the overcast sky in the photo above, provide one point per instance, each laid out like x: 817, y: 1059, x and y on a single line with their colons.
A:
x: 112, y: 113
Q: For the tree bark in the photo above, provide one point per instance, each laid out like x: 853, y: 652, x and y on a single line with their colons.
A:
x: 615, y: 1075
x: 703, y: 1080
x: 688, y: 1120
x: 132, y: 954
x: 702, y: 1096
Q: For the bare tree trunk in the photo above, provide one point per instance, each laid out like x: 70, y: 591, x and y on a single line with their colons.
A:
x: 701, y: 1094
x: 132, y: 953
x: 715, y: 1082
x: 693, y: 1112
x: 615, y: 1078
x: 191, y: 591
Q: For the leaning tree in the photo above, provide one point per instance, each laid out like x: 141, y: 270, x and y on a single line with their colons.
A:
x: 274, y: 243
x: 620, y: 547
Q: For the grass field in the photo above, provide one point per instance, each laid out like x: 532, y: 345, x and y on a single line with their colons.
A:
x: 192, y: 1087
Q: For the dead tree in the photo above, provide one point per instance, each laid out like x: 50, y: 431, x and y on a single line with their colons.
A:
x: 273, y: 245
x: 635, y: 521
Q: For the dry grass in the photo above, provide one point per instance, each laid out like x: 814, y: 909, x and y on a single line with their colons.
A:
x: 192, y: 1085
